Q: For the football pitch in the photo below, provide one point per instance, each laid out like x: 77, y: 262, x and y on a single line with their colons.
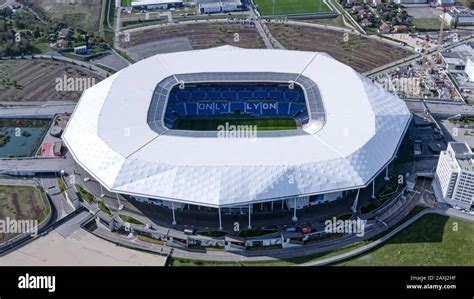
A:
x: 284, y: 7
x: 199, y: 123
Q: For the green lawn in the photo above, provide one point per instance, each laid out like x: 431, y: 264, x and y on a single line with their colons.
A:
x: 130, y: 219
x: 431, y: 241
x: 104, y: 208
x: 197, y: 123
x: 432, y: 24
x: 89, y: 198
x: 126, y: 3
x: 282, y: 7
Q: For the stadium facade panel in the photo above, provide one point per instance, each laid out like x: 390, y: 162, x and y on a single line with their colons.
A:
x: 117, y: 131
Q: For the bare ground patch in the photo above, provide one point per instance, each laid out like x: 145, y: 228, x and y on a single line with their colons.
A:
x: 361, y: 53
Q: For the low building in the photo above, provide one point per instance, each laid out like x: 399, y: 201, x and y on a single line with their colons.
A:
x: 80, y: 50
x: 56, y: 131
x: 156, y: 4
x: 470, y: 68
x: 57, y: 149
x: 213, y: 6
x: 384, y: 28
x: 445, y: 2
x: 454, y: 177
x: 64, y: 33
x: 291, y: 239
x: 177, y: 239
x: 400, y: 28
x: 234, y: 243
x: 411, y: 1
x: 207, y: 8
x: 457, y: 59
x: 458, y: 16
x: 366, y: 23
x: 453, y: 61
x: 104, y: 221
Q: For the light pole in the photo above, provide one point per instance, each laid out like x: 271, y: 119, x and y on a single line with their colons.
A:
x: 120, y: 205
x: 102, y: 194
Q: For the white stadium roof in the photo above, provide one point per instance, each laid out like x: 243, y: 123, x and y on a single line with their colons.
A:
x: 110, y: 137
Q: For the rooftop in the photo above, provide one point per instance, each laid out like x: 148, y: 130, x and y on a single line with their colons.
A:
x: 109, y: 136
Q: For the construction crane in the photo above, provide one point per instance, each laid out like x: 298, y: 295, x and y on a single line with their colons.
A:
x: 440, y: 38
x: 425, y: 62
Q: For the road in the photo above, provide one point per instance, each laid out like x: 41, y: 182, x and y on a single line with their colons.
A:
x: 103, y: 73
x: 118, y: 23
x: 38, y: 165
x: 48, y: 109
x: 62, y: 207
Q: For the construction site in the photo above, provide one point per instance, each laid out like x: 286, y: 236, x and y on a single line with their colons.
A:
x: 429, y: 76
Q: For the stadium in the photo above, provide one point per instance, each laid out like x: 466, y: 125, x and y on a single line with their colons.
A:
x: 153, y: 131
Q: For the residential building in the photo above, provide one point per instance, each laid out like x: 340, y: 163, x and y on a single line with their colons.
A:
x: 454, y: 178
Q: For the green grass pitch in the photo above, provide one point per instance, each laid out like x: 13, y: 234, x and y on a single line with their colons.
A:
x: 196, y: 123
x: 283, y: 7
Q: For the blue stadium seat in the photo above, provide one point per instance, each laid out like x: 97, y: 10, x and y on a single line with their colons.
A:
x: 214, y: 95
x: 283, y: 108
x: 244, y: 95
x: 180, y: 109
x: 229, y: 95
x: 257, y: 100
x: 191, y: 108
x: 260, y: 95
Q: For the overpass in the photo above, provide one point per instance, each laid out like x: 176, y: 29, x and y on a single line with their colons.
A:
x: 33, y: 166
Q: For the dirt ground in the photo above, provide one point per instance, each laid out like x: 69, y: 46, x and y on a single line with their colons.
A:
x: 84, y: 14
x: 35, y: 80
x: 201, y: 36
x: 20, y: 203
x: 361, y: 53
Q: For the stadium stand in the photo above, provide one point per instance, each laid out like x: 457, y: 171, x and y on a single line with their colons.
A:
x: 251, y: 99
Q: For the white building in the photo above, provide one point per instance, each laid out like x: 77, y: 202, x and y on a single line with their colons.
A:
x: 445, y: 2
x: 470, y: 68
x: 213, y: 6
x: 454, y: 178
x: 410, y: 1
x: 156, y: 4
x: 351, y: 136
x: 438, y: 2
x: 463, y: 16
